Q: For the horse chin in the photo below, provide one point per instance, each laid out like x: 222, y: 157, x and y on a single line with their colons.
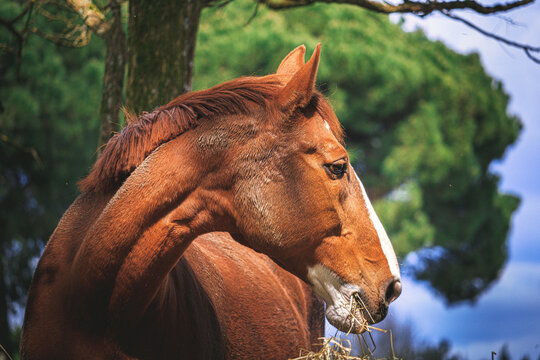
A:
x: 345, y: 319
x: 341, y: 298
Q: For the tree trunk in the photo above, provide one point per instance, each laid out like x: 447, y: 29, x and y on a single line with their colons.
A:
x: 161, y: 45
x: 113, y: 78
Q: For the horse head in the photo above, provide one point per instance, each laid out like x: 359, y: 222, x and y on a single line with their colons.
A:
x: 299, y: 200
x: 262, y: 158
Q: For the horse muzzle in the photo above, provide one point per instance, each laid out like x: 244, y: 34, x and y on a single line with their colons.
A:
x: 348, y: 307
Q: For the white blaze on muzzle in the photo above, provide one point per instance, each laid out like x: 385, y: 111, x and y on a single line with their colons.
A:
x: 386, y: 245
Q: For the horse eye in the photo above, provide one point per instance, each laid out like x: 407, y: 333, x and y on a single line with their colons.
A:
x: 337, y: 169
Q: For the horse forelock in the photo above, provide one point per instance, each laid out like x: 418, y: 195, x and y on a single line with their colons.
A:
x: 126, y: 150
x: 320, y: 104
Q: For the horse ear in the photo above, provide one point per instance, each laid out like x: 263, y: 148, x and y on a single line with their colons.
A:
x: 299, y: 90
x: 292, y: 62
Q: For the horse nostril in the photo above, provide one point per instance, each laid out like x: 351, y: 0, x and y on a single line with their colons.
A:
x: 393, y: 291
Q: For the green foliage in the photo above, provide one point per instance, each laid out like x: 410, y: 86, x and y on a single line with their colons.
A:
x: 423, y: 125
x: 406, y: 220
x: 48, y: 135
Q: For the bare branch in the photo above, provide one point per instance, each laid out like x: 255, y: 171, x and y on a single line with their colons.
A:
x: 27, y: 8
x: 92, y: 16
x: 69, y: 40
x: 55, y: 16
x: 76, y: 34
x: 526, y: 48
x: 510, y: 21
x: 216, y: 3
x: 28, y: 150
x: 415, y: 7
x: 9, y: 25
x: 28, y: 18
x: 20, y: 35
x: 424, y: 8
x: 253, y: 15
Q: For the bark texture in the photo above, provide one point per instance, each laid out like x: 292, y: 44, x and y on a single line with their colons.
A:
x: 161, y: 45
x: 113, y: 78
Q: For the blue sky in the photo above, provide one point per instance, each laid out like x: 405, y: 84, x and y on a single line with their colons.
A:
x: 509, y: 312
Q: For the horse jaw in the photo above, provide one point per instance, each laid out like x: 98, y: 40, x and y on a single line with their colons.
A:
x: 341, y: 310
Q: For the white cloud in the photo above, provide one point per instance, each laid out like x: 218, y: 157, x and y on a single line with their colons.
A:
x: 508, y: 313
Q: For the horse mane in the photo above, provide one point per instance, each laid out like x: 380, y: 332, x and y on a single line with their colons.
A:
x: 126, y: 150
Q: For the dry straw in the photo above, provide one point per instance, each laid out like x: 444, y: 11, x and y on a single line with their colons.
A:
x: 5, y: 352
x: 334, y: 348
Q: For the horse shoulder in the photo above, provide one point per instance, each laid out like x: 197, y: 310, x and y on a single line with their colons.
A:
x: 46, y: 318
x: 263, y: 310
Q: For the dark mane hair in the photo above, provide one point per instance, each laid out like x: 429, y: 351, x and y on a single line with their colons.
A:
x: 127, y: 149
x: 144, y: 133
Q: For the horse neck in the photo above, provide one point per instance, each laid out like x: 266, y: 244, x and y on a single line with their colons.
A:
x: 143, y: 231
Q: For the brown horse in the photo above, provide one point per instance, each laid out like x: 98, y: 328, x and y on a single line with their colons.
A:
x: 142, y: 264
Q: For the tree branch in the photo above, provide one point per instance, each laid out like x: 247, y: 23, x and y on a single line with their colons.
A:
x: 526, y: 48
x: 20, y: 35
x: 415, y: 7
x: 68, y: 40
x: 27, y: 150
x: 27, y: 8
x: 9, y: 25
x: 91, y: 15
x: 76, y: 35
x: 424, y: 8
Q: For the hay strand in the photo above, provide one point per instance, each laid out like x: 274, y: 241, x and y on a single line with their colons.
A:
x: 336, y: 348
